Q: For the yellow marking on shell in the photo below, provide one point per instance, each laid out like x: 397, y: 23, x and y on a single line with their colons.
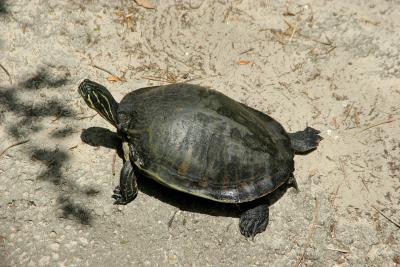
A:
x: 184, y: 167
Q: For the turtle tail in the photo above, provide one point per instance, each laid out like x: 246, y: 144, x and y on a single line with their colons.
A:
x: 100, y: 99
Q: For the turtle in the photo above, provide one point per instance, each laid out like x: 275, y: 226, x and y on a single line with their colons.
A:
x: 199, y: 141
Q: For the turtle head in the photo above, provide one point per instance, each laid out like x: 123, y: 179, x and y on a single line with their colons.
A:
x: 100, y: 99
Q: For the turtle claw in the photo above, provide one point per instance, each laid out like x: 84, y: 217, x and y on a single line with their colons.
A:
x: 251, y: 227
x: 117, y: 190
x: 254, y: 221
x: 120, y: 201
x: 119, y: 198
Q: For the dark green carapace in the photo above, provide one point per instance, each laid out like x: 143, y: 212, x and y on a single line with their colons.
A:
x: 199, y: 141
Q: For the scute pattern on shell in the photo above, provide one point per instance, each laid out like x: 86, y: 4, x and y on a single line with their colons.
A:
x: 202, y: 142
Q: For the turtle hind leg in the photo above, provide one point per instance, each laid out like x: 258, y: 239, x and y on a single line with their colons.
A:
x: 127, y: 189
x: 291, y: 182
x: 254, y: 219
x: 306, y: 140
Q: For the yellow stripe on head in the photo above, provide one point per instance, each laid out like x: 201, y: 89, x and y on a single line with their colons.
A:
x: 100, y: 99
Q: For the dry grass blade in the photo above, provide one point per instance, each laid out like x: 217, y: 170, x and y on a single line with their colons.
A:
x: 13, y: 145
x: 388, y: 218
x: 58, y: 116
x: 86, y: 117
x: 157, y: 79
x: 113, y: 77
x: 343, y: 250
x: 377, y: 124
x: 103, y: 69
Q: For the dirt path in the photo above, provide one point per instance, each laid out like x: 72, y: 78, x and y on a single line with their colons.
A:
x: 332, y: 65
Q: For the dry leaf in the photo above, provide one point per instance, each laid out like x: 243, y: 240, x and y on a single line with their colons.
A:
x: 312, y: 172
x: 112, y: 78
x: 243, y: 62
x: 146, y: 3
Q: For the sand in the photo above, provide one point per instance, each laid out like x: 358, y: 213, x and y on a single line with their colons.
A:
x: 331, y: 65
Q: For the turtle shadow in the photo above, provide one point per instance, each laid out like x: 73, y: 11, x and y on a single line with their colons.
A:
x: 97, y: 136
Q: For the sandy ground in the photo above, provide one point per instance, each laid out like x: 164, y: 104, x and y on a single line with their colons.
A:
x: 332, y: 65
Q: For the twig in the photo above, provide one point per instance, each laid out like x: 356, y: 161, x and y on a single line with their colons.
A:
x: 388, y: 218
x: 247, y: 51
x: 348, y: 113
x: 86, y: 117
x: 13, y: 145
x: 103, y: 69
x: 172, y: 219
x: 364, y: 183
x: 201, y: 78
x: 72, y: 147
x: 156, y: 79
x: 6, y: 71
x: 312, y: 231
x: 377, y: 124
x: 329, y: 43
x: 343, y: 250
x: 58, y: 116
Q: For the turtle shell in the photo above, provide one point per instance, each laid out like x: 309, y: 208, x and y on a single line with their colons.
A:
x: 199, y: 141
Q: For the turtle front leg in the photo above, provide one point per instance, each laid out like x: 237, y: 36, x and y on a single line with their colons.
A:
x: 127, y: 189
x: 254, y: 219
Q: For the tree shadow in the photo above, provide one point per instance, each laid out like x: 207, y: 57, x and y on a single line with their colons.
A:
x: 30, y: 113
x: 97, y: 136
x: 28, y: 116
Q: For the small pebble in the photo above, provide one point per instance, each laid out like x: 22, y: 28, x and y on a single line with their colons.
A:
x: 83, y: 241
x: 55, y: 247
x: 44, y: 261
x: 172, y: 259
x: 71, y: 244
